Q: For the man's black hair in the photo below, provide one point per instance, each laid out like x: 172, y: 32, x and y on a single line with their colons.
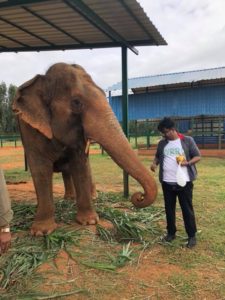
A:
x: 166, y: 123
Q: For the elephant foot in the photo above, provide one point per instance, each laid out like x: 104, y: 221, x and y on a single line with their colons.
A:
x: 40, y: 228
x: 69, y: 197
x: 87, y: 217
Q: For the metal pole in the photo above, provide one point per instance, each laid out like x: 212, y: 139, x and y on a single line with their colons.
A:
x: 125, y: 112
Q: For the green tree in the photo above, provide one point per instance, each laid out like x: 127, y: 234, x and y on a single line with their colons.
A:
x: 11, y: 124
x: 3, y: 95
x: 8, y: 122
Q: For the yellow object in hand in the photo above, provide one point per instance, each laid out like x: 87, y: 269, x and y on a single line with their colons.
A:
x: 180, y: 158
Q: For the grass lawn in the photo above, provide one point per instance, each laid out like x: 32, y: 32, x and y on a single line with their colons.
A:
x: 125, y: 259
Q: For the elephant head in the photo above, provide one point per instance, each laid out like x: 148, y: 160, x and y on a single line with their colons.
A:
x: 65, y: 103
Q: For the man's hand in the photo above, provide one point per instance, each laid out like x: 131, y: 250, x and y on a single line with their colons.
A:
x: 5, y: 241
x: 153, y: 167
x: 184, y: 163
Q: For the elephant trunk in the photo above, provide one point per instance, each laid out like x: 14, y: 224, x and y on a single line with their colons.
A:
x: 110, y: 136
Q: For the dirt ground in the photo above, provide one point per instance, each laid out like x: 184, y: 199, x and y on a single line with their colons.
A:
x: 24, y: 191
x: 140, y: 282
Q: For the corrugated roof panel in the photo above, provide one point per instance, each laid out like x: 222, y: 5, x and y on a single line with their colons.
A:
x: 117, y: 17
x: 172, y: 78
x: 81, y: 28
x: 142, y: 17
x: 19, y: 35
x: 5, y: 42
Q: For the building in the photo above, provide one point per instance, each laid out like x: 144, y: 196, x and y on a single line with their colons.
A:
x: 195, y: 98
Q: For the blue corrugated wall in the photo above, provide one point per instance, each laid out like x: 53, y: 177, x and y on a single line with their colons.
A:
x: 184, y: 103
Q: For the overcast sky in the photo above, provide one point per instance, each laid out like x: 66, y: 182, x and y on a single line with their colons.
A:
x: 193, y: 29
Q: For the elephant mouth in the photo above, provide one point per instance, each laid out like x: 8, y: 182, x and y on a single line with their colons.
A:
x: 87, y: 147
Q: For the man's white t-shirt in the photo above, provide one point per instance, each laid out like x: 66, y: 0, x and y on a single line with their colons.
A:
x: 170, y: 165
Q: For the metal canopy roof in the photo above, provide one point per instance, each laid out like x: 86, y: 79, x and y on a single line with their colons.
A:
x: 40, y: 25
x: 37, y: 25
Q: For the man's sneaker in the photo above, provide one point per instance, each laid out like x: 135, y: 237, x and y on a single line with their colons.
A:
x: 168, y: 238
x: 191, y: 242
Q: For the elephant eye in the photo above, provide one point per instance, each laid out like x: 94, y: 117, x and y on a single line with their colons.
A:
x: 76, y: 102
x: 20, y: 99
x: 76, y: 105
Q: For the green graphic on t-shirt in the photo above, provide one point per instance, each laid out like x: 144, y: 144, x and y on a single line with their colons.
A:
x: 172, y: 151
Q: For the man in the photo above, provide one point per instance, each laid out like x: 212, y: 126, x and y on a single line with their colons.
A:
x: 172, y: 146
x: 5, y: 215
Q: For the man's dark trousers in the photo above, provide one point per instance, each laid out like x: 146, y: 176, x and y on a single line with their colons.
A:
x: 184, y: 194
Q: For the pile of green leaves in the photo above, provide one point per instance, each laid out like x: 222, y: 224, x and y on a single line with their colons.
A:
x: 19, y: 265
x: 137, y: 226
x: 109, y: 261
x: 24, y: 214
x: 28, y: 253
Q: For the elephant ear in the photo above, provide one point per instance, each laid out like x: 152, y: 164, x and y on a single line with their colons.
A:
x: 31, y: 106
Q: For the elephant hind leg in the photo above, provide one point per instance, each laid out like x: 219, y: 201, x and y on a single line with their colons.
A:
x: 70, y: 192
x: 85, y: 190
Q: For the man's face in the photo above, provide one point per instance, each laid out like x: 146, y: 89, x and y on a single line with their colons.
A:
x: 169, y: 133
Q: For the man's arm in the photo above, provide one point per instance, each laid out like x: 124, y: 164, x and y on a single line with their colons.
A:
x: 194, y: 153
x: 154, y: 164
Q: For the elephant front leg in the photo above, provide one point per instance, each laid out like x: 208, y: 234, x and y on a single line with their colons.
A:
x: 86, y: 214
x: 94, y: 193
x: 44, y: 222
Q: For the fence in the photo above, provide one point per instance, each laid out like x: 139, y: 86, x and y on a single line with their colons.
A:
x: 207, y: 131
x: 5, y: 139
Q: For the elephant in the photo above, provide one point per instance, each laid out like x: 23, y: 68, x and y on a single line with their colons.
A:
x: 58, y: 113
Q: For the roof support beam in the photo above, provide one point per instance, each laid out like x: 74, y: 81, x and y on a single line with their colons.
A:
x: 64, y: 47
x: 99, y: 23
x: 14, y: 3
x: 13, y: 40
